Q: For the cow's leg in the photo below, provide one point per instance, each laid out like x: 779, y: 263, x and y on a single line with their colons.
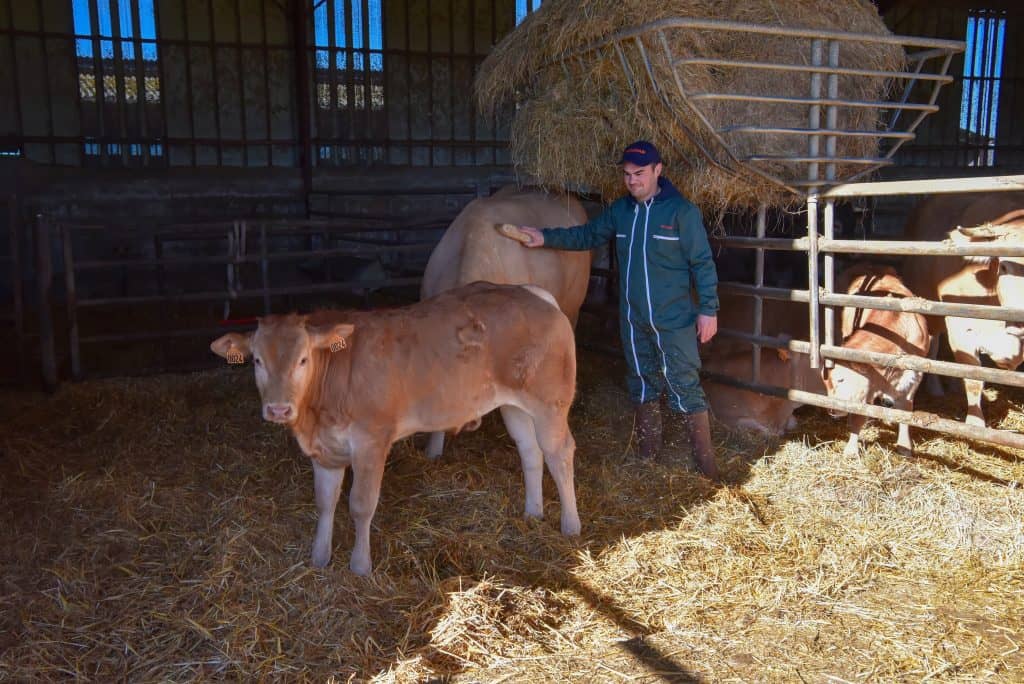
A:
x: 559, y: 448
x: 520, y: 426
x: 935, y: 387
x: 435, y: 445
x: 972, y: 390
x: 327, y: 485
x: 367, y: 473
x: 856, y: 424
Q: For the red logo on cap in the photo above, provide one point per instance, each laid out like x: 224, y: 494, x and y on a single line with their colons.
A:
x: 637, y: 150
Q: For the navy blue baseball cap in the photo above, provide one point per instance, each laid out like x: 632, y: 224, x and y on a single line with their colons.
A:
x: 641, y: 153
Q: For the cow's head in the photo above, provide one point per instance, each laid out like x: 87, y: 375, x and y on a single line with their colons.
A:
x: 846, y: 382
x: 1009, y: 271
x: 283, y: 350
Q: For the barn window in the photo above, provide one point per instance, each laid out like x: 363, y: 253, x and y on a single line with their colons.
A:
x: 524, y: 7
x: 118, y: 78
x: 983, y: 70
x: 349, y: 49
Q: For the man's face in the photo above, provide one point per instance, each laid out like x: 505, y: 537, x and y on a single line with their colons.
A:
x: 641, y: 181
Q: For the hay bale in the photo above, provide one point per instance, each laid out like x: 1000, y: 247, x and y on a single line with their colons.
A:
x: 574, y: 116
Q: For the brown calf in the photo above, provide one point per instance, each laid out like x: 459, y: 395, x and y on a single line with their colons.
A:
x: 349, y: 384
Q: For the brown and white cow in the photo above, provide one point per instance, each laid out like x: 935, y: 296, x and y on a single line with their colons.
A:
x: 886, y: 332
x: 349, y: 384
x: 992, y: 281
x: 471, y: 250
x: 743, y: 409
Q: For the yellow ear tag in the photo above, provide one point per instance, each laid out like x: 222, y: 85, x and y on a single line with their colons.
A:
x: 235, y: 357
x: 338, y: 344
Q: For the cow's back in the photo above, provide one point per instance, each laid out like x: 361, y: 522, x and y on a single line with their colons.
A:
x: 443, y: 362
x: 951, y: 278
x: 471, y: 249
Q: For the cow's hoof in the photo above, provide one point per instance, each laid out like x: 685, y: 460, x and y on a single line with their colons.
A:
x: 975, y: 420
x: 360, y: 566
x: 571, y: 528
x: 320, y: 558
x: 905, y: 452
x: 851, y: 452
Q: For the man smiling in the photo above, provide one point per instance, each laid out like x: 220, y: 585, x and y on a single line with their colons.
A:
x: 662, y: 251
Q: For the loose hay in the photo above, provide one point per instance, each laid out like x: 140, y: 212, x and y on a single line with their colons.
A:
x: 574, y: 117
x: 157, y: 529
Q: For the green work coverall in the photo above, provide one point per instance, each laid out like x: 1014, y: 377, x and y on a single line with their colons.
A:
x: 662, y: 251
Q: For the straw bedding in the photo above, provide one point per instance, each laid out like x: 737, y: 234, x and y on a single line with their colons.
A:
x: 574, y: 116
x: 156, y: 529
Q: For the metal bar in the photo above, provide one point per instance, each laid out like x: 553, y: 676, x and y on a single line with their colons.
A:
x: 783, y: 294
x: 930, y: 186
x: 15, y: 81
x: 888, y: 247
x: 815, y: 159
x: 140, y: 83
x: 762, y: 220
x: 905, y: 361
x: 302, y: 80
x: 44, y: 282
x: 250, y: 293
x: 908, y: 247
x: 188, y: 83
x: 918, y: 419
x: 927, y: 307
x: 779, y: 99
x: 764, y: 29
x: 846, y: 133
x: 14, y: 222
x: 920, y: 117
x: 45, y: 66
x: 119, y: 78
x: 243, y: 110
x: 216, y: 84
x: 265, y: 270
x: 812, y: 279
x: 97, y: 75
x: 265, y: 48
x: 808, y: 68
x: 830, y: 275
x: 72, y: 303
x: 333, y: 52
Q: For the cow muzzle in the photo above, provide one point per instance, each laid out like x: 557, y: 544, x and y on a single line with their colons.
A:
x: 278, y: 413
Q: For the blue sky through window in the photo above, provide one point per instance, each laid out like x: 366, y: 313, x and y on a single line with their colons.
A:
x: 983, y: 68
x: 524, y: 7
x: 83, y: 28
x: 373, y: 21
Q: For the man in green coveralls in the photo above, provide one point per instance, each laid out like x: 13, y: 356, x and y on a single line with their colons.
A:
x: 662, y: 248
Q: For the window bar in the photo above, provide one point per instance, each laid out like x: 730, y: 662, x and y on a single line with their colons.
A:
x: 97, y: 79
x: 121, y: 89
x: 188, y: 83
x: 430, y: 82
x: 349, y: 134
x: 333, y: 113
x: 266, y: 81
x: 408, y: 89
x: 140, y: 85
x: 451, y: 84
x: 369, y: 132
x: 243, y: 110
x: 14, y: 73
x: 162, y: 75
x: 216, y: 85
x: 46, y: 81
x: 473, y: 66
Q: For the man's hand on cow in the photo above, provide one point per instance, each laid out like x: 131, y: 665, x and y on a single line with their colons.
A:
x: 536, y: 237
x: 707, y: 326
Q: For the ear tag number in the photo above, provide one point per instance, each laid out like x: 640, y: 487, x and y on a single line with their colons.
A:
x: 338, y: 344
x: 235, y: 357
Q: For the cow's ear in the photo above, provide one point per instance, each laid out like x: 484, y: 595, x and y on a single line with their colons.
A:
x: 334, y: 337
x: 235, y: 347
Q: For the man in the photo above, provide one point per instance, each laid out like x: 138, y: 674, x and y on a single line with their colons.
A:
x: 662, y: 247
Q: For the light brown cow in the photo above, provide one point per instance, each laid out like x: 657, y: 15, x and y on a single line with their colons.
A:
x: 742, y: 409
x: 349, y: 384
x: 471, y: 250
x: 992, y: 281
x: 887, y: 332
